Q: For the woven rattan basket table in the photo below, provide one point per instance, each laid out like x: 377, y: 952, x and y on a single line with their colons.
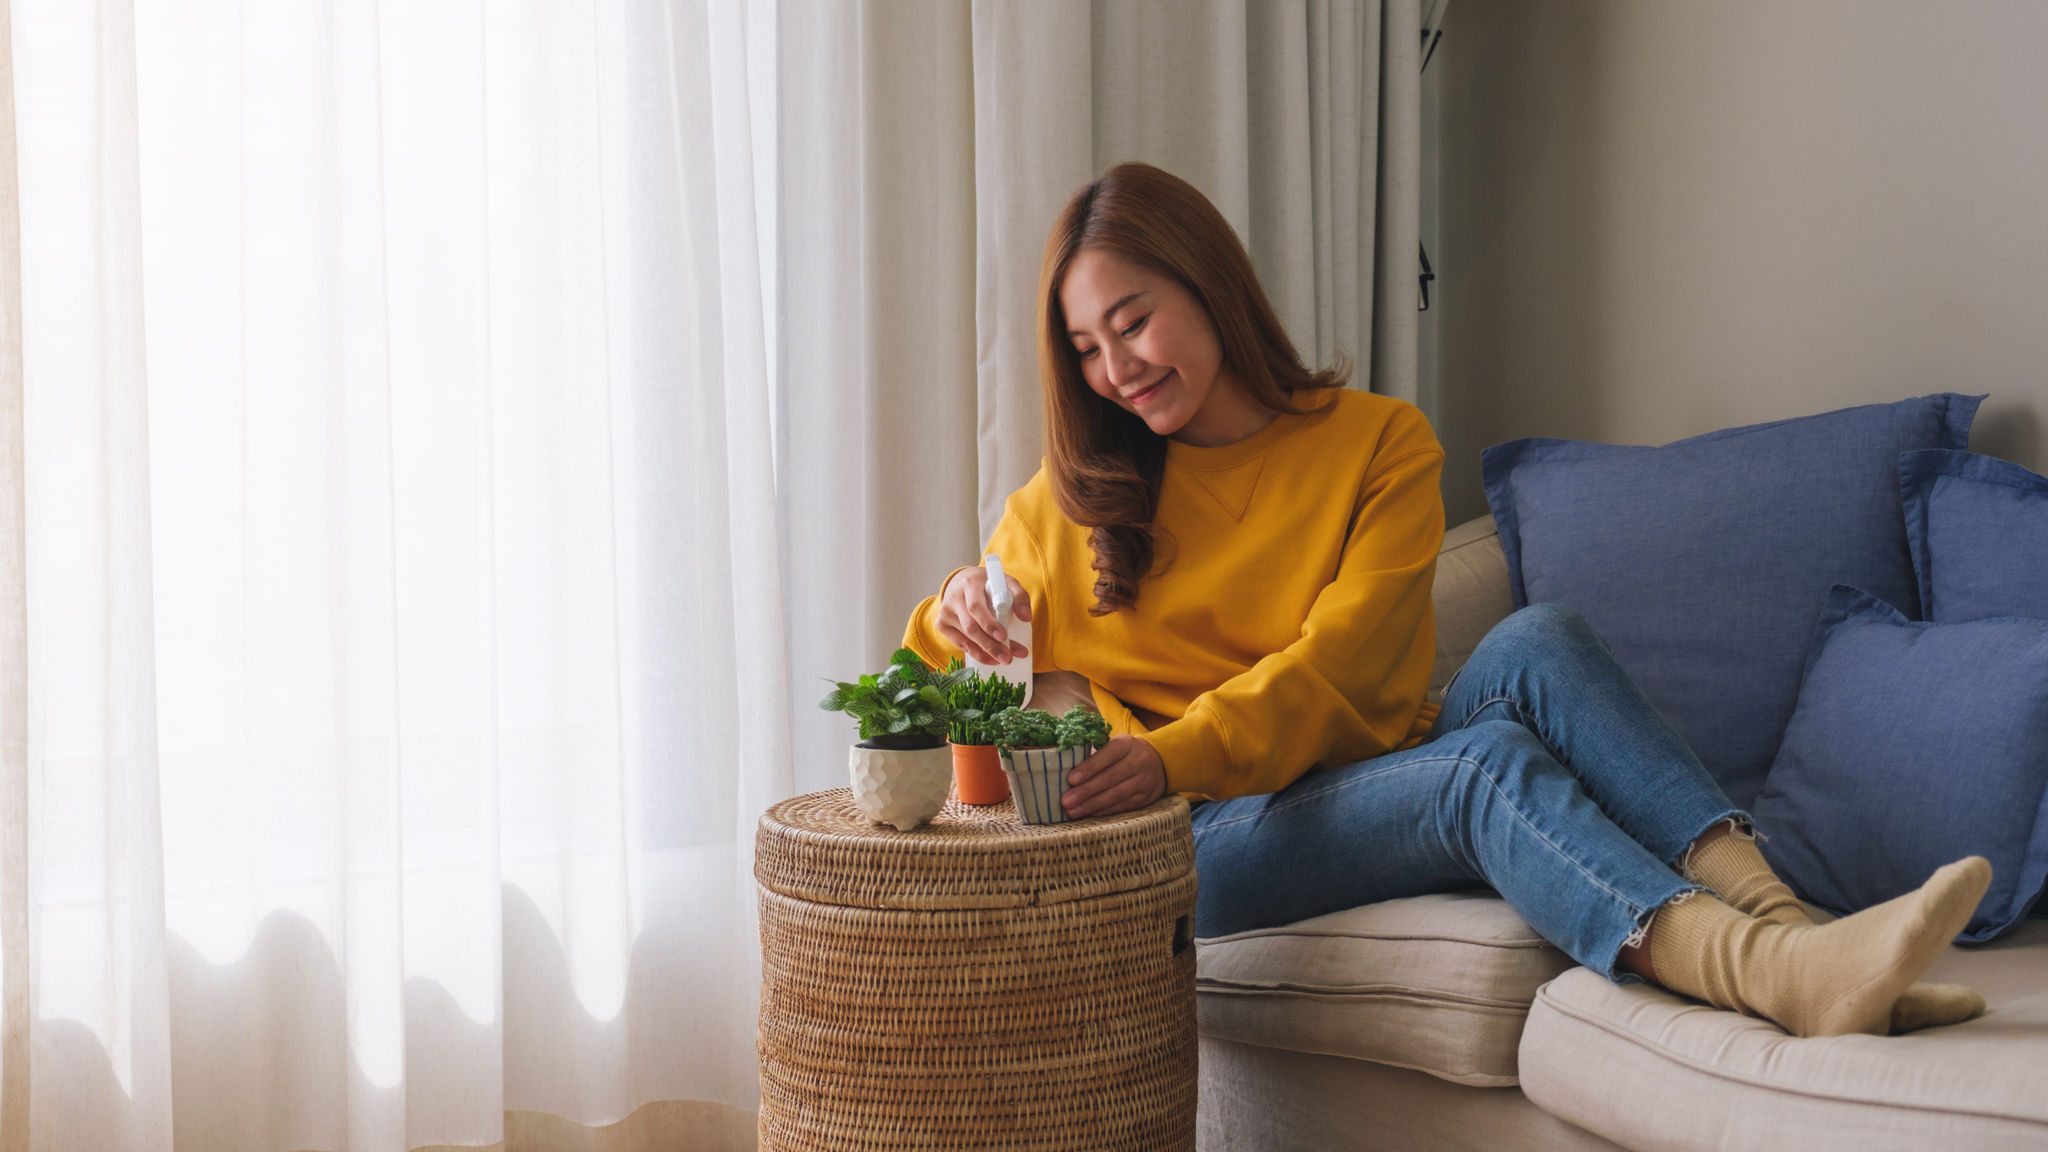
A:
x: 977, y: 982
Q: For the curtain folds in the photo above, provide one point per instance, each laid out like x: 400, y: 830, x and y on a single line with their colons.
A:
x: 14, y: 891
x: 447, y: 446
x: 90, y: 960
x: 404, y: 665
x: 877, y: 336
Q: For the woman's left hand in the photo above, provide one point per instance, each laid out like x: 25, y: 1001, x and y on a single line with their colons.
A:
x: 1122, y: 776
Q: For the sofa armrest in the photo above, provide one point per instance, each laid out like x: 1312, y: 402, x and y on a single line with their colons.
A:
x: 1471, y: 596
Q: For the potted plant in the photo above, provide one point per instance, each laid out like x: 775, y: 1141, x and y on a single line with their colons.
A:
x: 901, y: 769
x: 1039, y: 752
x: 977, y: 769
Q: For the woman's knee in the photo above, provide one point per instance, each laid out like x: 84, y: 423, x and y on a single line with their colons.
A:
x: 1544, y: 628
x: 1549, y: 620
x: 1498, y: 750
x: 1492, y: 763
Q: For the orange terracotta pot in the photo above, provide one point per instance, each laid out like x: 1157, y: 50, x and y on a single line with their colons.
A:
x: 978, y: 774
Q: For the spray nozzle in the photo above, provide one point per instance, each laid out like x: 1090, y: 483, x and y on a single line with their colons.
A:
x: 998, y: 585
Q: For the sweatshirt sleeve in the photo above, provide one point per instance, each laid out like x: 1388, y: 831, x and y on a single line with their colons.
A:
x: 1122, y: 721
x: 1017, y: 545
x: 1351, y: 686
x: 922, y: 634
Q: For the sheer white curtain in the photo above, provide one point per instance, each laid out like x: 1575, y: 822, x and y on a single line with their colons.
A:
x: 396, y: 663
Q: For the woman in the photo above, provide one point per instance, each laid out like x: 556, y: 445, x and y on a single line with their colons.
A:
x: 1237, y: 554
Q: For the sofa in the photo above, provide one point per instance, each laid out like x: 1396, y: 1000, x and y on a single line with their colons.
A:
x: 1444, y: 1022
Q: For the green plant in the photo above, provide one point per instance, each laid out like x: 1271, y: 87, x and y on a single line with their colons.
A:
x: 1082, y: 728
x: 975, y: 700
x: 1024, y: 728
x: 906, y: 699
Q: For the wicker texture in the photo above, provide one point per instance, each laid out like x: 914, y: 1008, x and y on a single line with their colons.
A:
x: 819, y: 847
x: 977, y: 983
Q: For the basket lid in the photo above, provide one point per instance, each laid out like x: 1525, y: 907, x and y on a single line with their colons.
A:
x: 820, y: 847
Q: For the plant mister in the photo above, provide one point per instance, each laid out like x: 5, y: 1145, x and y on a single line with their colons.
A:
x: 1017, y: 671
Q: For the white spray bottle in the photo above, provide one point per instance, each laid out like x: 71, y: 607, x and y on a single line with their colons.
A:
x: 1017, y: 671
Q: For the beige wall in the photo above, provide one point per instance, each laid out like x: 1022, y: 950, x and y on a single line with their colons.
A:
x: 1663, y: 218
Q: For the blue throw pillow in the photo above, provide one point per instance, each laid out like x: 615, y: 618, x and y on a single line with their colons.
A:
x: 1914, y: 744
x: 1978, y: 529
x: 1703, y: 562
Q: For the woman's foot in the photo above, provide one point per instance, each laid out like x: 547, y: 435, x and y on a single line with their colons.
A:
x: 1726, y: 859
x: 1935, y: 1006
x: 1830, y: 980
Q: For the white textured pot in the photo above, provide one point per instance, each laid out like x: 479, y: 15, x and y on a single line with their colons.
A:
x: 903, y: 787
x: 1038, y: 778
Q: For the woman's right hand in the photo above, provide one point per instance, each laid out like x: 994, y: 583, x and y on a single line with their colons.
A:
x: 966, y: 619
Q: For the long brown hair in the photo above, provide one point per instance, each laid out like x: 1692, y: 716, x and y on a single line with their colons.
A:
x: 1106, y: 464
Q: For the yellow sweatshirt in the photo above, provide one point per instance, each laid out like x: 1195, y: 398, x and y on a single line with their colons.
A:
x: 1293, y: 629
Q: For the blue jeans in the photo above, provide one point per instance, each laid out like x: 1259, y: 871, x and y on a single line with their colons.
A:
x: 1548, y: 777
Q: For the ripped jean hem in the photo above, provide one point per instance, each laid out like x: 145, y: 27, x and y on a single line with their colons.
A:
x: 1739, y: 824
x: 1640, y: 934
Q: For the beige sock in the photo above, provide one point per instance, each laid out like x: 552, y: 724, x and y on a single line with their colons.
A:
x: 1736, y: 870
x: 1935, y: 1006
x: 1829, y: 980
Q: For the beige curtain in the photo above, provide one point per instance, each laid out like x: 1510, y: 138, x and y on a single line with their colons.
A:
x: 876, y: 331
x: 14, y: 896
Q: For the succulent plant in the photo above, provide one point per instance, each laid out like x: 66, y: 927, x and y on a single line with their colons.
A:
x: 975, y: 700
x: 1082, y: 727
x: 1024, y: 728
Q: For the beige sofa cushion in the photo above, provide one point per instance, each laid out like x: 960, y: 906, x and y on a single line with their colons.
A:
x: 1471, y: 595
x: 1441, y: 984
x: 1255, y: 1099
x: 1650, y: 1070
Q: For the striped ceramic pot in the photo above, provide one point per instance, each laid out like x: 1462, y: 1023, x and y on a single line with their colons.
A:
x: 1038, y: 778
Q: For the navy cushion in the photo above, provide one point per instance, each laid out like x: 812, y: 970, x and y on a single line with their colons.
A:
x: 1914, y: 744
x: 1703, y: 562
x: 1978, y: 530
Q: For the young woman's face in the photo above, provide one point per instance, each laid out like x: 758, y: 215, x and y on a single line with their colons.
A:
x: 1145, y: 343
